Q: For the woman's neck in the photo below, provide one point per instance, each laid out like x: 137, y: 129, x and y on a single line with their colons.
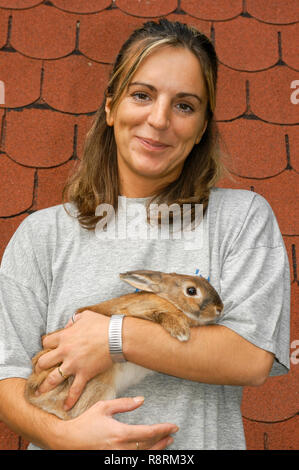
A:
x: 136, y: 186
x: 132, y: 188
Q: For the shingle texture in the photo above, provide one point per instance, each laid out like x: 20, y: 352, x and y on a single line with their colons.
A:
x: 55, y: 57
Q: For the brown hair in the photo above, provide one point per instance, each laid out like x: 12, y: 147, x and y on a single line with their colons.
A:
x: 96, y: 180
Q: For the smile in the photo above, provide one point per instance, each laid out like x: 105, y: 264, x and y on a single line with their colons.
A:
x: 152, y: 145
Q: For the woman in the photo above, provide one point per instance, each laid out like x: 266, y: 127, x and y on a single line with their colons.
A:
x: 153, y: 139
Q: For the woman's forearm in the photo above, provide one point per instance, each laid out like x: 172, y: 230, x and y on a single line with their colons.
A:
x: 95, y: 429
x: 32, y: 423
x: 214, y: 354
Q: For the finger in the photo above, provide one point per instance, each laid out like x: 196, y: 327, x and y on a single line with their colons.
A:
x: 69, y: 323
x: 149, y: 437
x: 53, y: 379
x: 163, y: 443
x: 48, y: 360
x: 51, y: 341
x: 75, y: 317
x: 153, y: 432
x: 121, y: 405
x: 75, y: 391
x: 158, y: 444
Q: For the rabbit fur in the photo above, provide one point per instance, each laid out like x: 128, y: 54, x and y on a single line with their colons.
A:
x: 175, y: 301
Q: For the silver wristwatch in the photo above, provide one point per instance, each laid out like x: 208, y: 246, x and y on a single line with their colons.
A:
x: 115, y: 338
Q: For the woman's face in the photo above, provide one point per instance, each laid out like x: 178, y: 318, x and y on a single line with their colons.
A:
x: 160, y: 117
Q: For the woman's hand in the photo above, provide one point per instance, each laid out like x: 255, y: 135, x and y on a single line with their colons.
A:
x: 82, y: 350
x: 95, y: 429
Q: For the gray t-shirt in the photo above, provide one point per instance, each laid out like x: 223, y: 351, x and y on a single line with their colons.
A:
x: 52, y: 266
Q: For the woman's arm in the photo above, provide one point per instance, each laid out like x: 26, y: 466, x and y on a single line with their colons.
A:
x: 214, y: 354
x: 95, y: 429
x: 33, y: 424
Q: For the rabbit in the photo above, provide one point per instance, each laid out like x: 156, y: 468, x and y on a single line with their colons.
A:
x: 175, y: 301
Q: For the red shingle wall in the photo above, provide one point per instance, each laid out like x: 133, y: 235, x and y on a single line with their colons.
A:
x: 55, y: 57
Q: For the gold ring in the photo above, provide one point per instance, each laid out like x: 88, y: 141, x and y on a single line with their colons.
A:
x: 62, y: 374
x: 137, y: 445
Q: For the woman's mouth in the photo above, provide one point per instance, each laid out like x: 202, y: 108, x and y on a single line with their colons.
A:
x: 152, y: 145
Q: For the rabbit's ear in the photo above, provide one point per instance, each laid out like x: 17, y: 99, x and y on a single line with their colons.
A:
x: 144, y: 280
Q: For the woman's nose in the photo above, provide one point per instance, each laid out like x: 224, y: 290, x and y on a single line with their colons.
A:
x: 159, y: 115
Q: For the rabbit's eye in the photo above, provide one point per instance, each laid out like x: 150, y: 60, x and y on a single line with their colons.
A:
x: 191, y: 291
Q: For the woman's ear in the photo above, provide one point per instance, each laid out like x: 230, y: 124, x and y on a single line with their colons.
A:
x: 198, y: 138
x: 109, y: 117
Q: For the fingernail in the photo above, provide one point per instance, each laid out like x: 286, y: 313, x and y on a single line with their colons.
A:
x: 138, y: 399
x: 170, y: 441
x: 176, y: 429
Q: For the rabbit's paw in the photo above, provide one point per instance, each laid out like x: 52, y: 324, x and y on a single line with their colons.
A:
x: 182, y: 333
x: 182, y: 337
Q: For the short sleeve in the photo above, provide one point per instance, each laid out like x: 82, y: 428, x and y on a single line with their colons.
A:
x: 23, y: 305
x: 255, y: 285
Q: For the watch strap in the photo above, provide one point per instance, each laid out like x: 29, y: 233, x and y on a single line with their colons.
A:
x: 115, y: 338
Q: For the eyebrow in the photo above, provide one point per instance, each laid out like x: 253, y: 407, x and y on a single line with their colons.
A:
x: 179, y: 95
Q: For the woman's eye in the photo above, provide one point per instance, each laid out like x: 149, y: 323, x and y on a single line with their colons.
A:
x: 185, y: 108
x: 139, y: 96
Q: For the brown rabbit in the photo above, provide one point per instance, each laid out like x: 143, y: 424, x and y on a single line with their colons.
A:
x: 176, y: 301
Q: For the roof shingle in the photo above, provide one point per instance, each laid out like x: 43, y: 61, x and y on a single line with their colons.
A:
x: 39, y: 138
x: 289, y: 45
x: 149, y: 8
x: 246, y: 44
x: 21, y: 77
x: 270, y: 95
x: 74, y: 84
x: 19, y: 4
x: 276, y: 11
x: 231, y: 94
x: 221, y: 10
x: 254, y: 142
x: 81, y: 6
x: 31, y: 30
x: 21, y: 180
x: 109, y: 30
